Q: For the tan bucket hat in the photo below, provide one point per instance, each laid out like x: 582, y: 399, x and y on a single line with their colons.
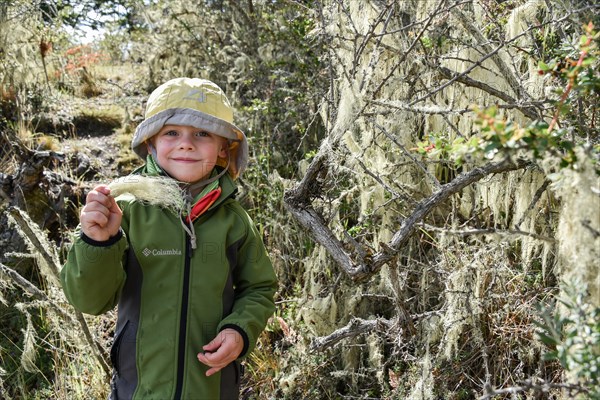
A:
x: 198, y: 103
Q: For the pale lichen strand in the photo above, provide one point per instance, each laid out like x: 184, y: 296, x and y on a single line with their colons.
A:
x: 153, y: 190
x: 579, y: 226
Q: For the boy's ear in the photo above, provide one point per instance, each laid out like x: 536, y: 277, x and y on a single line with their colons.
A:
x: 149, y: 145
x: 224, y: 149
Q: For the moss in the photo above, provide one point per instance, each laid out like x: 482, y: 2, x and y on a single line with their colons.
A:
x: 98, y: 122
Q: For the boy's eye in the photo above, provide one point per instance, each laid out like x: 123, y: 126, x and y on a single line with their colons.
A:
x: 171, y: 133
x: 201, y: 133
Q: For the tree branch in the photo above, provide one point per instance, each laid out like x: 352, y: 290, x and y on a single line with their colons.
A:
x: 355, y: 327
x: 488, y: 231
x: 536, y: 198
x: 465, y: 80
x: 25, y: 224
x: 427, y: 205
x: 299, y: 204
x: 411, y: 47
x: 494, y: 52
x: 539, y: 387
x: 426, y: 109
x: 311, y: 220
x: 358, y: 326
x: 506, y: 72
x: 432, y: 178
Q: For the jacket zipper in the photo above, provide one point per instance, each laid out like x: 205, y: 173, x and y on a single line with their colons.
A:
x: 183, y: 320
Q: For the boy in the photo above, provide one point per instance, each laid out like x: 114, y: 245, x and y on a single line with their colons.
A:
x: 194, y: 290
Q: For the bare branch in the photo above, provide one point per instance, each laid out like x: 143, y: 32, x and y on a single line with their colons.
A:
x: 409, y: 50
x: 355, y: 327
x: 494, y: 52
x: 543, y: 387
x: 587, y: 224
x: 536, y: 198
x: 427, y: 109
x: 22, y: 220
x: 31, y: 289
x: 359, y: 326
x: 488, y: 231
x: 25, y: 225
x: 374, y: 56
x: 428, y: 204
x: 378, y: 179
x: 506, y: 72
x: 311, y: 220
x: 451, y: 81
x: 464, y: 79
x: 419, y: 164
x: 298, y: 203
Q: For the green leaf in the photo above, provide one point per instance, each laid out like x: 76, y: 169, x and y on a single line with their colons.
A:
x: 547, y: 340
x: 491, y: 146
x: 551, y: 356
x: 543, y: 66
x: 588, y: 61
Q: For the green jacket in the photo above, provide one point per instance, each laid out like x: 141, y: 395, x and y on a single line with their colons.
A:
x: 172, y: 300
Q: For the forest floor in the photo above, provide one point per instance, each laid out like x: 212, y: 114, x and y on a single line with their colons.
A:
x: 100, y: 122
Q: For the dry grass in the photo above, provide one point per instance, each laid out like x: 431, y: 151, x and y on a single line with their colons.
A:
x: 54, y: 330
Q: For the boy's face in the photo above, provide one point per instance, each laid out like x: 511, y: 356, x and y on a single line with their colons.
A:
x: 187, y: 153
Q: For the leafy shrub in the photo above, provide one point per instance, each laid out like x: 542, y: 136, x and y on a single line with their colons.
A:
x: 571, y: 329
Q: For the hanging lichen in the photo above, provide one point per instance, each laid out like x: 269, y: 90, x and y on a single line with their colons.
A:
x: 579, y: 226
x: 29, y: 353
x: 474, y: 270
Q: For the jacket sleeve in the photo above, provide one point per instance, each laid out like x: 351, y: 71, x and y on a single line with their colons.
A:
x: 93, y: 275
x: 255, y: 285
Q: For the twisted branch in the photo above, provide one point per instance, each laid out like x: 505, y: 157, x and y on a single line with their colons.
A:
x: 298, y: 202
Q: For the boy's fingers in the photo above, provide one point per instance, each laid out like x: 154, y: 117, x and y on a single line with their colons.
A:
x: 100, y: 198
x: 221, y: 351
x: 212, y: 359
x: 214, y: 369
x: 103, y: 190
x: 214, y: 366
x: 216, y: 361
x: 213, y: 345
x: 101, y: 216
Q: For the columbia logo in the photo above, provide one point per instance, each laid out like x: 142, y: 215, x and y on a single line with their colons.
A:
x: 161, y: 252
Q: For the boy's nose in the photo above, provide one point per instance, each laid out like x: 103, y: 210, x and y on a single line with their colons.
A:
x: 186, y: 142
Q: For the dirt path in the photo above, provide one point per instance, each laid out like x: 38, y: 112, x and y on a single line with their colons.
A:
x: 93, y: 157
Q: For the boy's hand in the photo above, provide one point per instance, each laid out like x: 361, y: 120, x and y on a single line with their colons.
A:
x: 222, y: 350
x: 101, y: 216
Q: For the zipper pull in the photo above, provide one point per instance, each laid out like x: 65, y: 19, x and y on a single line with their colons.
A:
x: 192, y: 237
x: 188, y: 199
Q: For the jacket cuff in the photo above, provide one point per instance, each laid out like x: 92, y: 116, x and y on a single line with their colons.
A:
x: 242, y: 333
x: 103, y: 243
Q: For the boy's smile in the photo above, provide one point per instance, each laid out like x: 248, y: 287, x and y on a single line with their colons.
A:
x: 186, y: 153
